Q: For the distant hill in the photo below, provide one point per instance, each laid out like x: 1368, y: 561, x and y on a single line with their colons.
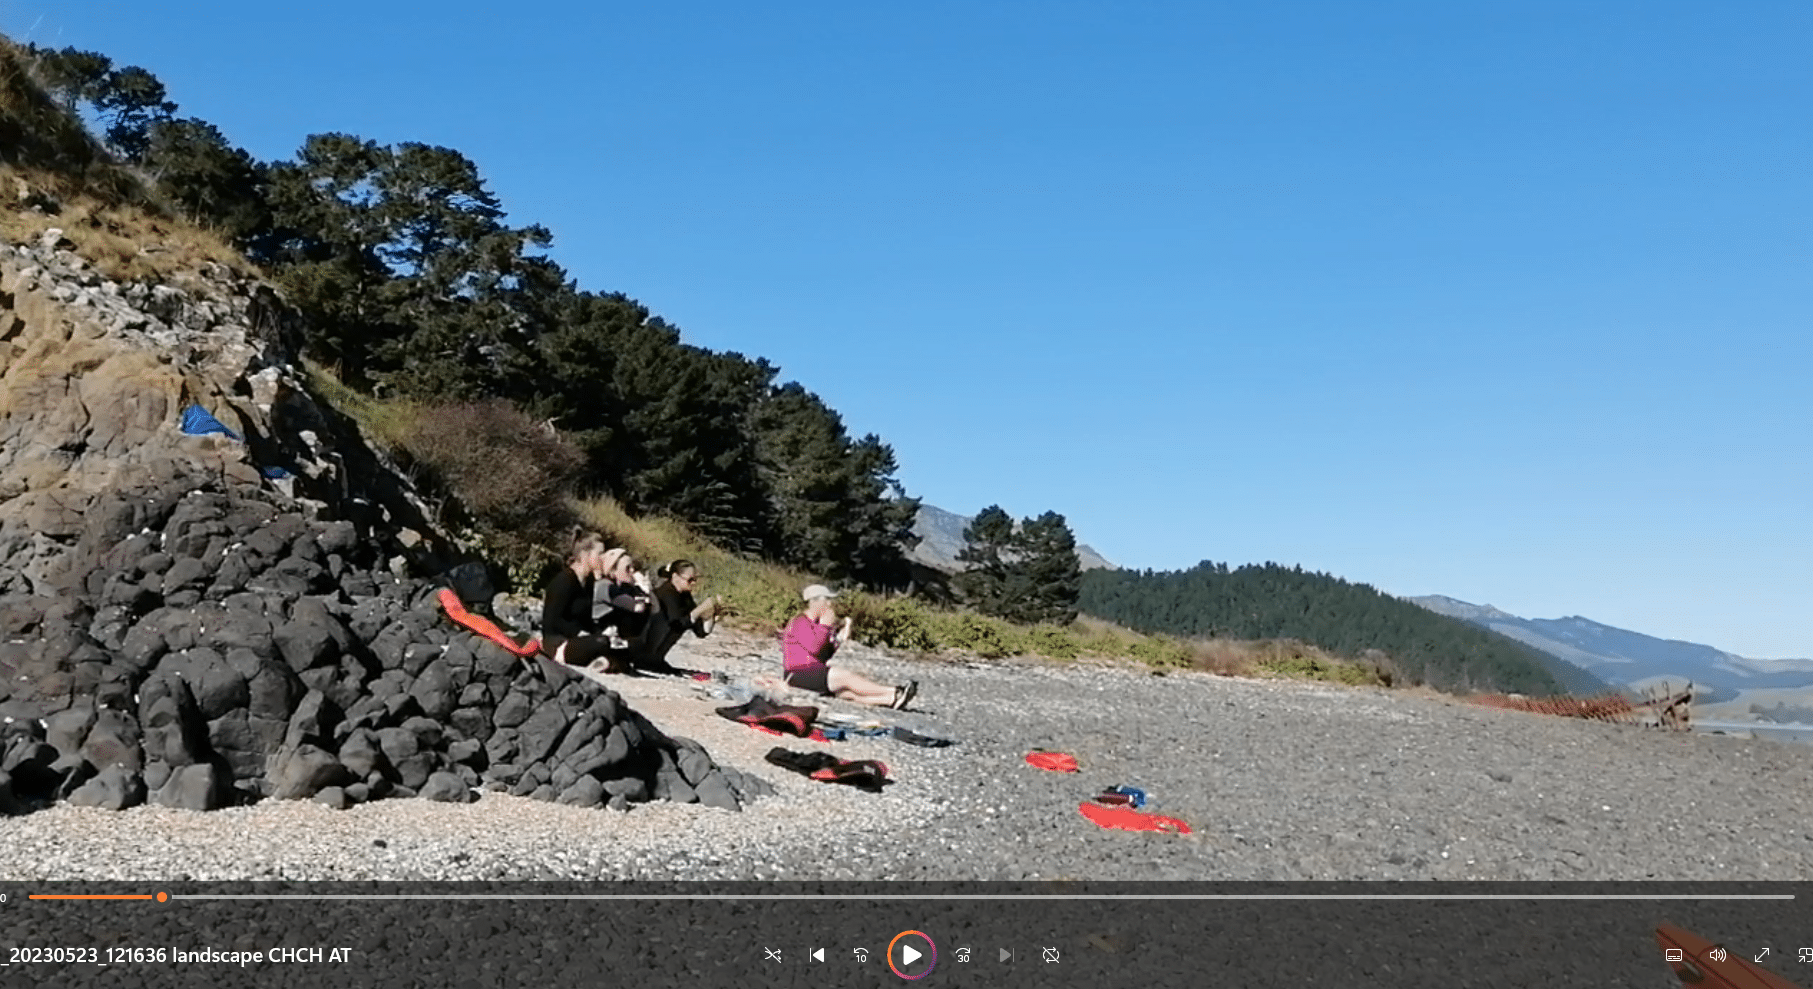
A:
x: 941, y: 539
x: 1634, y: 660
x: 1274, y: 602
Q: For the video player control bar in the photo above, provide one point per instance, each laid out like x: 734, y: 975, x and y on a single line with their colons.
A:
x: 911, y: 955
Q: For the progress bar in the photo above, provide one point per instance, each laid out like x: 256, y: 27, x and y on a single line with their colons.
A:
x: 986, y: 896
x: 159, y: 897
x: 162, y: 896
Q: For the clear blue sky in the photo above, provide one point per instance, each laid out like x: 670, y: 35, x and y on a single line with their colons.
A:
x: 1506, y: 301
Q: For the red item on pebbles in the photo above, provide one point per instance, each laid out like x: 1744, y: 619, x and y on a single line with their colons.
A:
x: 1128, y: 819
x: 1056, y: 762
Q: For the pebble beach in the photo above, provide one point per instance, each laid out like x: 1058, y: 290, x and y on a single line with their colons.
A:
x: 1277, y: 780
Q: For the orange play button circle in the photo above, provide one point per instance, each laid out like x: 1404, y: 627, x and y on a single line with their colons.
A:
x: 912, y: 955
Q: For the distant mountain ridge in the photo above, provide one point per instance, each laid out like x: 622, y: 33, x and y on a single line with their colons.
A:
x: 941, y: 539
x: 1632, y: 659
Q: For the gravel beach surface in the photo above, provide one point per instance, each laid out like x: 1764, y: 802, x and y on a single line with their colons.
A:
x: 1278, y: 780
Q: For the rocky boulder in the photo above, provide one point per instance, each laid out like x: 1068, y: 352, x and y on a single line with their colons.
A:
x: 198, y: 620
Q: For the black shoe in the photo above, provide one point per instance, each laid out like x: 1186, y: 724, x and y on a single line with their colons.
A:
x: 904, y: 695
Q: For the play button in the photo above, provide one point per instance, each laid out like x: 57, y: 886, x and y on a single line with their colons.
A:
x: 911, y: 955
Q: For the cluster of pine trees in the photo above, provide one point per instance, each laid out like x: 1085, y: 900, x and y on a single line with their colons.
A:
x: 1026, y: 573
x: 417, y: 285
x: 1270, y: 601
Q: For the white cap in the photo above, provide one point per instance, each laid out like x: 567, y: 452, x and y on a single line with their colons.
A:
x: 817, y: 591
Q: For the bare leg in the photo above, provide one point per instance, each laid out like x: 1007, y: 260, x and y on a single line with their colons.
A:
x: 855, y: 687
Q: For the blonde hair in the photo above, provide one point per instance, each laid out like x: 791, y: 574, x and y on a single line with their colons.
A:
x: 584, y: 543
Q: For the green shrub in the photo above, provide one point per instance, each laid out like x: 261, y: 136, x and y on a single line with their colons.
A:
x: 901, y: 623
x: 1293, y: 660
x: 1102, y: 643
x: 986, y: 637
x: 1163, y: 654
x: 762, y: 603
x: 1052, y: 641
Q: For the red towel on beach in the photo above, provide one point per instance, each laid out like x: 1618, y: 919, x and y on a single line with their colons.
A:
x: 1128, y: 819
x: 1057, y: 762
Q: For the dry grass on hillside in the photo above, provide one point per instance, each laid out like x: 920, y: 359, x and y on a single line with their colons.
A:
x: 54, y: 174
x: 1290, y: 658
x: 124, y: 243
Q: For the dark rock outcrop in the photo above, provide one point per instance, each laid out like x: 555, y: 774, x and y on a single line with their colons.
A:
x: 194, y: 621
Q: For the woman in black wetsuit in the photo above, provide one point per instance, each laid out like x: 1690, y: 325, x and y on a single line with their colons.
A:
x: 568, y: 633
x: 631, y: 608
x: 676, y: 613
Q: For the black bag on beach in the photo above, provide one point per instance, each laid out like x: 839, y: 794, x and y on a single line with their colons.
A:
x: 472, y: 582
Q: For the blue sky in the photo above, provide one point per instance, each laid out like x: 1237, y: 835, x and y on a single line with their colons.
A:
x: 1506, y: 301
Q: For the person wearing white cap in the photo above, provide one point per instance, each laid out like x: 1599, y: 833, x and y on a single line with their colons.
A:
x: 807, y: 645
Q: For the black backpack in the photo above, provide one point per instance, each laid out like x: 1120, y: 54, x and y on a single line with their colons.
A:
x: 472, y: 582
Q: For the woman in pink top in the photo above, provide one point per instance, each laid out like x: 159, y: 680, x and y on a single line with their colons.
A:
x: 808, y: 643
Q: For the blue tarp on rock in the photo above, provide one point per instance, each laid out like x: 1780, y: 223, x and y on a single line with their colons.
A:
x: 198, y: 421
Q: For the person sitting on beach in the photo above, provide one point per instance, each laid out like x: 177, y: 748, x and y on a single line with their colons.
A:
x: 631, y: 608
x: 568, y: 632
x: 808, y: 643
x: 676, y: 613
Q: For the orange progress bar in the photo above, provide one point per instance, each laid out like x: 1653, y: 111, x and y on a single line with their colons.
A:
x: 94, y: 896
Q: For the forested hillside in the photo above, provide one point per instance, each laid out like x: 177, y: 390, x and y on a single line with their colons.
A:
x: 1274, y: 602
x: 417, y: 285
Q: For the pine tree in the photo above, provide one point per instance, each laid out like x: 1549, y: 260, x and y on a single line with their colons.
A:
x: 325, y: 249
x: 665, y: 426
x: 132, y: 100
x: 986, y: 553
x: 129, y: 101
x: 838, y: 508
x: 72, y: 76
x: 882, y: 514
x: 1026, y: 573
x: 1048, y: 577
x: 215, y: 184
